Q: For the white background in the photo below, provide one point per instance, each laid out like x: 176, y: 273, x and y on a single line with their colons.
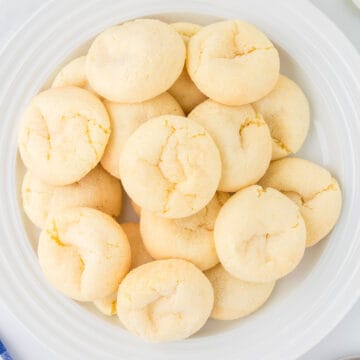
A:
x: 343, y: 340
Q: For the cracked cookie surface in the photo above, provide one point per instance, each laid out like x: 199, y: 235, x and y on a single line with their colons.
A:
x: 126, y: 118
x: 98, y: 189
x: 234, y: 298
x: 286, y: 111
x: 312, y: 188
x: 63, y: 134
x: 259, y: 234
x: 84, y: 253
x: 232, y: 62
x: 171, y: 166
x: 135, y: 61
x: 190, y: 238
x: 243, y: 139
x: 165, y: 300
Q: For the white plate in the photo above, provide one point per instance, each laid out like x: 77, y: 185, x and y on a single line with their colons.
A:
x: 307, y: 304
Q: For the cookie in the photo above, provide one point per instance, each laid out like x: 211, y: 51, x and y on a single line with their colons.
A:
x: 136, y: 208
x: 97, y: 189
x: 135, y: 61
x: 165, y: 300
x: 107, y: 305
x: 73, y: 74
x: 190, y: 238
x: 126, y: 118
x: 243, y: 139
x: 139, y: 256
x: 232, y: 62
x: 286, y: 110
x: 234, y: 298
x: 171, y: 166
x: 259, y: 235
x: 184, y: 90
x: 63, y: 134
x: 84, y: 253
x: 312, y: 188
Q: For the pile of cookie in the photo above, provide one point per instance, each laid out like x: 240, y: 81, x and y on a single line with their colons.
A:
x: 197, y: 124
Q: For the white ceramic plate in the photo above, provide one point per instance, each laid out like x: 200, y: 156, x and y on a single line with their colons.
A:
x: 307, y: 304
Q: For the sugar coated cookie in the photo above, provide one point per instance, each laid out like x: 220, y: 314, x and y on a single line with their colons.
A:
x: 184, y: 90
x: 84, y: 253
x: 312, y: 188
x: 98, y: 189
x: 243, y: 139
x: 234, y: 298
x: 232, y: 62
x: 286, y: 111
x: 73, y: 74
x: 63, y: 134
x: 190, y: 238
x: 139, y: 256
x: 165, y: 300
x: 135, y: 61
x: 171, y: 166
x: 126, y: 118
x: 259, y: 235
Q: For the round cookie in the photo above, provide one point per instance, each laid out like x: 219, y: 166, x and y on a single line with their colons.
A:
x: 126, y: 118
x: 312, y: 188
x: 190, y: 238
x: 98, y: 189
x: 286, y: 110
x: 73, y: 74
x: 165, y: 300
x: 184, y: 90
x: 84, y: 253
x: 63, y: 134
x: 171, y: 166
x: 234, y: 298
x: 243, y: 139
x: 232, y: 62
x: 136, y: 208
x: 259, y: 235
x: 139, y: 256
x: 135, y: 61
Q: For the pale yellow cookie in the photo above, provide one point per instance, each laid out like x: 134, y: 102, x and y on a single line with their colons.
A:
x: 139, y: 256
x: 63, y: 134
x: 135, y: 61
x: 73, y: 74
x: 286, y: 110
x: 171, y: 166
x: 97, y: 189
x: 126, y: 118
x: 165, y: 300
x: 232, y: 62
x: 84, y: 253
x: 184, y: 90
x: 259, y: 235
x: 107, y: 305
x: 136, y: 208
x: 312, y: 188
x: 190, y: 238
x: 234, y: 298
x: 243, y: 139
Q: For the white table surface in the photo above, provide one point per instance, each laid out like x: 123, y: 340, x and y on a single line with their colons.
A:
x: 343, y: 340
